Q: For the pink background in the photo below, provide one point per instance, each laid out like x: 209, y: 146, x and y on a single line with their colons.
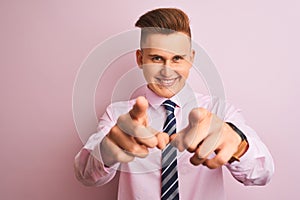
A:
x: 254, y: 44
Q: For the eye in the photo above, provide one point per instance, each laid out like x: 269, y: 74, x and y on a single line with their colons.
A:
x: 156, y: 59
x: 177, y: 58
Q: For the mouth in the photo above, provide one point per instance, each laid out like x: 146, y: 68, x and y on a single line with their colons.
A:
x: 167, y: 82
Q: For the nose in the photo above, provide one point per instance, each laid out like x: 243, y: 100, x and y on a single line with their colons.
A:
x: 166, y: 71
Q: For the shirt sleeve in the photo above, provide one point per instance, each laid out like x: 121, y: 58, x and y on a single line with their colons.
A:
x: 88, y: 165
x: 256, y: 166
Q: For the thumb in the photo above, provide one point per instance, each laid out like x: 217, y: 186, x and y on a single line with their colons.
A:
x: 177, y: 140
x: 139, y: 109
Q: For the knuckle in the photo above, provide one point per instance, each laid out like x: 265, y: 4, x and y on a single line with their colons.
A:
x: 221, y: 160
x: 195, y: 160
x: 134, y: 149
x: 123, y: 158
x: 191, y: 150
x: 121, y: 119
x: 210, y: 166
x: 153, y: 142
x: 190, y: 143
x: 118, y: 156
x: 209, y: 163
x: 187, y: 143
x: 129, y: 159
x: 114, y: 130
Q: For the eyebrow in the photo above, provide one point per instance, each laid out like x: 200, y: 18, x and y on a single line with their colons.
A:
x: 156, y: 55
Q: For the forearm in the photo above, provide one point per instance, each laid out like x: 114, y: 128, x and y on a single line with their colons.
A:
x: 89, y: 167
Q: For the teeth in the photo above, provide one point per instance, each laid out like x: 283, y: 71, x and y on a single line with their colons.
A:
x: 167, y: 82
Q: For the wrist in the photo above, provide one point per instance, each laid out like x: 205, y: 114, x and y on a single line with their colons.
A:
x: 243, y: 146
x: 242, y: 149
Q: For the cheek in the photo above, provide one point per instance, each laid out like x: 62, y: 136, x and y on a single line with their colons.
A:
x: 148, y: 74
x: 184, y: 72
x: 150, y: 71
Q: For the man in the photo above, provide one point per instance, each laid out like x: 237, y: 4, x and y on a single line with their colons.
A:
x: 169, y: 143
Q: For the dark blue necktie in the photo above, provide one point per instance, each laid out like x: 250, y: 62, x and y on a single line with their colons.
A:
x: 169, y: 175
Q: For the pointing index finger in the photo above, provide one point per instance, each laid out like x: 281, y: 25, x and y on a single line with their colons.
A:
x: 139, y: 109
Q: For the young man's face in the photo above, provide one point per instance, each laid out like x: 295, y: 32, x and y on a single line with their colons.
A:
x: 166, y: 61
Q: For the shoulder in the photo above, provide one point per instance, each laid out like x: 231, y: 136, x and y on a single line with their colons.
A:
x: 219, y: 106
x: 121, y: 106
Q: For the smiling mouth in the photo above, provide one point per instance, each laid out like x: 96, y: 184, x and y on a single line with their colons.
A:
x: 167, y: 82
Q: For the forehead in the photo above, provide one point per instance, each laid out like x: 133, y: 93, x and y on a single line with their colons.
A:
x: 176, y: 43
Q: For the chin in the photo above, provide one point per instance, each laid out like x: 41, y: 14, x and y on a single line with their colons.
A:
x: 167, y: 93
x: 163, y: 91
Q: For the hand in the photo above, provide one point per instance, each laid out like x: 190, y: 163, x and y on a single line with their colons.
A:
x: 131, y: 136
x: 206, y: 133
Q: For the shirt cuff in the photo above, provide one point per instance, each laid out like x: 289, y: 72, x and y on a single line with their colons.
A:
x: 93, y: 145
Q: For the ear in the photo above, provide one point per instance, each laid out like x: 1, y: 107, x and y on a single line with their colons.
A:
x: 139, y: 58
x: 192, y: 56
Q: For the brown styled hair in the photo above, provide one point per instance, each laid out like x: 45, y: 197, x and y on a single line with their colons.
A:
x: 164, y: 20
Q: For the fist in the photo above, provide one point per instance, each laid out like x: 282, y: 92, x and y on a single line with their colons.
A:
x: 131, y: 136
x: 205, y: 134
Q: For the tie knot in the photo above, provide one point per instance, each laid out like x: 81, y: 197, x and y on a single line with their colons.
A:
x: 169, y: 105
